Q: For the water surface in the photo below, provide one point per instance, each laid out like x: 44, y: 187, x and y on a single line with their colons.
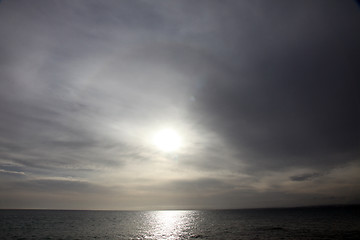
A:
x: 296, y: 223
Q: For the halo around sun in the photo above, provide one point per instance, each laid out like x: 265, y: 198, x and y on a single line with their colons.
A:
x: 167, y: 140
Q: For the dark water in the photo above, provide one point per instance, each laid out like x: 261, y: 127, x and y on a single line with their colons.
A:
x: 296, y: 223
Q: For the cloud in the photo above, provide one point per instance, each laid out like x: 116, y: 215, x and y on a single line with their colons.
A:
x: 295, y: 102
x: 59, y: 185
x: 304, y: 177
x: 264, y: 95
x: 207, y: 186
x: 11, y: 172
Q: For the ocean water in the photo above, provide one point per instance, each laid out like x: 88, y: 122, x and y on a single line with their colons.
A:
x: 295, y: 223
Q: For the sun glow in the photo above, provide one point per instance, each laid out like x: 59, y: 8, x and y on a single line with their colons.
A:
x: 167, y: 140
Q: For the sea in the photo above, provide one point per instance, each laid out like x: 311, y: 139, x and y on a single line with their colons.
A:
x: 338, y: 222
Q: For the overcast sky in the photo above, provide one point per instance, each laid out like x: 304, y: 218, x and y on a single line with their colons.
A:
x: 264, y: 95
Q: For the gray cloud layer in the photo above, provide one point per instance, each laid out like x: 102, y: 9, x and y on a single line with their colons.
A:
x: 265, y: 96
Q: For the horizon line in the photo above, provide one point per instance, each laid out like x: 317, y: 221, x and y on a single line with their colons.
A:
x: 184, y: 209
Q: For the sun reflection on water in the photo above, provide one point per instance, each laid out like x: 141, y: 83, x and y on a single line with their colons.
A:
x: 170, y: 224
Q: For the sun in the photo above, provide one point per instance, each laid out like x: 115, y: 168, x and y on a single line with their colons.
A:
x: 167, y: 140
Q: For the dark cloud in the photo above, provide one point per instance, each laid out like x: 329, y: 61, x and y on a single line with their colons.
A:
x: 295, y: 104
x: 304, y: 177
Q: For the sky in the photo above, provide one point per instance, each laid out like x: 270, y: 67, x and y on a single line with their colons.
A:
x: 263, y: 95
